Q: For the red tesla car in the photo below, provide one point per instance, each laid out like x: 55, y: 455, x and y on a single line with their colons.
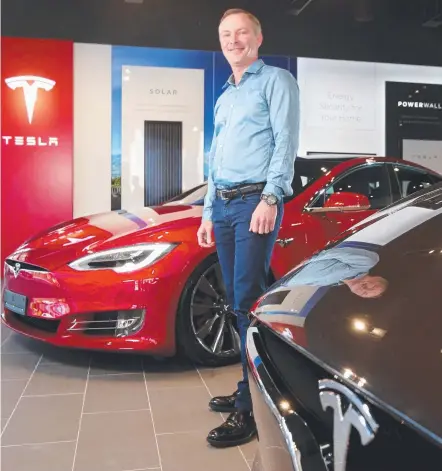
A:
x: 138, y: 281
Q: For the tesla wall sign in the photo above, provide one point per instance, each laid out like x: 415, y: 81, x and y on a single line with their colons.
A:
x: 36, y: 137
x: 30, y: 86
x: 30, y: 141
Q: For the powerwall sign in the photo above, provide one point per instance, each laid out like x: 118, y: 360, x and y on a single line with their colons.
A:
x: 419, y: 104
x: 30, y: 85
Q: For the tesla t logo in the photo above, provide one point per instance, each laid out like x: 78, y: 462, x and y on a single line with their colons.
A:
x: 30, y: 84
x: 356, y: 416
x: 16, y: 269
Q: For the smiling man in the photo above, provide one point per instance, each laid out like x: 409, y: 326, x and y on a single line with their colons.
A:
x: 251, y: 166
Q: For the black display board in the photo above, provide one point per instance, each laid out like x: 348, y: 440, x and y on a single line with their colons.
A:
x: 413, y: 112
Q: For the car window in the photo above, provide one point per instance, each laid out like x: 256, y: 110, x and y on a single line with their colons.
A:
x: 308, y: 170
x: 408, y: 180
x: 370, y: 180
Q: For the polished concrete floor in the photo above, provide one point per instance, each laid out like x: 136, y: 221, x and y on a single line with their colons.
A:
x: 73, y: 411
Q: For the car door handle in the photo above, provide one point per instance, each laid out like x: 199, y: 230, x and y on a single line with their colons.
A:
x: 285, y: 242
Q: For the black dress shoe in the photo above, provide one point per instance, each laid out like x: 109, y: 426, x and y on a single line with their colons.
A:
x: 224, y: 403
x: 238, y: 429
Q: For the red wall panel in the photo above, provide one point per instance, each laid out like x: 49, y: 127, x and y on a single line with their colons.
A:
x: 36, y: 137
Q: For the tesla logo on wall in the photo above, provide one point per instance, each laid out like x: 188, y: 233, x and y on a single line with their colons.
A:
x: 30, y: 85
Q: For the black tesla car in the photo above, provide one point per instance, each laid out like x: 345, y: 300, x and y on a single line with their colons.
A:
x: 345, y: 351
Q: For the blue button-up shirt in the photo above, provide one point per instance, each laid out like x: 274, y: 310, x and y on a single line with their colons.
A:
x: 334, y: 266
x: 256, y: 133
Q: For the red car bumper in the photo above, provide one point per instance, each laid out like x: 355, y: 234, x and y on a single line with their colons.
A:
x: 91, y: 310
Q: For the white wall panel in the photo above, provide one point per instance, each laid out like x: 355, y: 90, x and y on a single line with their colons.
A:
x: 417, y: 150
x: 343, y: 103
x: 92, y: 128
x: 337, y: 109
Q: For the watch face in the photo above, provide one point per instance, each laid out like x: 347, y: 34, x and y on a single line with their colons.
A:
x: 272, y: 199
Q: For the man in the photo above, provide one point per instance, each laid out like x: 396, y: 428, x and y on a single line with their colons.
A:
x: 251, y: 168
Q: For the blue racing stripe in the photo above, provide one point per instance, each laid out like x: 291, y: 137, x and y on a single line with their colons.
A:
x: 275, y: 313
x: 311, y: 303
x: 141, y: 224
x: 360, y: 245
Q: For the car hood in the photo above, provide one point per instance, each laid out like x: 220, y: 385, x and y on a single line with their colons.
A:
x: 389, y: 345
x: 73, y: 239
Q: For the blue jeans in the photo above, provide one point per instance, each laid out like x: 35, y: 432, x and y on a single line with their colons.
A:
x: 245, y: 261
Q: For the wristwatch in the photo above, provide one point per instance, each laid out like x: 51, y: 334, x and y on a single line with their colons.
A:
x: 270, y: 199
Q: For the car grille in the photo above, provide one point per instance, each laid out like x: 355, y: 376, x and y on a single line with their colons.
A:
x: 25, y: 266
x: 297, y: 378
x: 46, y: 325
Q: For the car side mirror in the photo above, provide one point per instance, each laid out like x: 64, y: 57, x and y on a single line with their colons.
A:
x: 345, y: 201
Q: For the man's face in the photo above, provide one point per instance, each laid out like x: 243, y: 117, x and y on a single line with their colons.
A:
x: 369, y: 286
x: 239, y: 40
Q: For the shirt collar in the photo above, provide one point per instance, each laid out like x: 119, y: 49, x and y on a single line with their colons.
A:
x: 252, y: 69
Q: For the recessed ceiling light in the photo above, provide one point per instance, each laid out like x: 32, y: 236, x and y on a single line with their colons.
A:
x: 133, y: 1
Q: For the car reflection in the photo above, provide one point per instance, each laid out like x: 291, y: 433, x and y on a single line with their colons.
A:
x: 343, y: 265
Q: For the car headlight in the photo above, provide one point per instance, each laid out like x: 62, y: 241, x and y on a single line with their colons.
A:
x: 123, y: 260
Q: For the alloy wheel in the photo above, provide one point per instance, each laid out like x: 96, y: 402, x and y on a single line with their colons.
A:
x: 213, y: 321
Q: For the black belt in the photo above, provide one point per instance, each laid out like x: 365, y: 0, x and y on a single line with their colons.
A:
x: 240, y: 190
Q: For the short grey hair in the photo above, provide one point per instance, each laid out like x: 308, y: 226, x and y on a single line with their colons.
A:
x: 251, y: 16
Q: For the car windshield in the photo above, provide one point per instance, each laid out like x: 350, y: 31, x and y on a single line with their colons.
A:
x: 307, y: 170
x: 194, y: 196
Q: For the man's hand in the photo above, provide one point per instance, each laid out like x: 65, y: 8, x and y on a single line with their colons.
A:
x: 263, y: 218
x: 205, y: 234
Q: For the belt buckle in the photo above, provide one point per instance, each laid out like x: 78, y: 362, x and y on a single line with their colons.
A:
x: 223, y: 193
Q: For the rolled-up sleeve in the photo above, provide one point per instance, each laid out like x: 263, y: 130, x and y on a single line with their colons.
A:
x: 283, y: 100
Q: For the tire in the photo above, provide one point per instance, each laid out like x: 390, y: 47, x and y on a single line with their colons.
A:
x: 200, y: 310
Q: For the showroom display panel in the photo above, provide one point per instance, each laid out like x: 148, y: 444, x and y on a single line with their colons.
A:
x: 37, y: 135
x: 414, y: 123
x: 162, y: 133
